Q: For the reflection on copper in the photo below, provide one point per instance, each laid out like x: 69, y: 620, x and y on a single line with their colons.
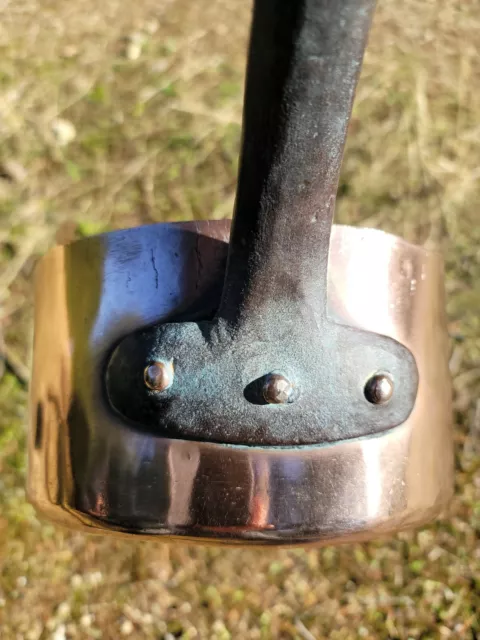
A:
x: 260, y: 505
x: 373, y: 478
x: 100, y: 508
x: 182, y: 466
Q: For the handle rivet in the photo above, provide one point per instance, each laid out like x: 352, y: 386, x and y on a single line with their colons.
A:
x: 158, y: 376
x: 277, y: 389
x: 379, y: 388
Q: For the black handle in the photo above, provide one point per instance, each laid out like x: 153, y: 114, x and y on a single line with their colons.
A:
x: 272, y: 342
x: 304, y: 62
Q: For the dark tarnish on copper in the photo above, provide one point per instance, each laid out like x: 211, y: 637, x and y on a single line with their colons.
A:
x: 305, y: 58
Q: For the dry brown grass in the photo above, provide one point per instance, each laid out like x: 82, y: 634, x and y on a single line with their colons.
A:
x: 153, y: 91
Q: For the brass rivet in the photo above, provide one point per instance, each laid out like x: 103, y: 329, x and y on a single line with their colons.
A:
x: 379, y: 388
x: 158, y: 376
x: 277, y: 389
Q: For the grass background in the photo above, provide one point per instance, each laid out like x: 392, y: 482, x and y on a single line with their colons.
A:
x: 114, y: 114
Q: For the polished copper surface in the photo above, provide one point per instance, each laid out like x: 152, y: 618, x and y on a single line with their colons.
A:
x: 89, y: 469
x: 158, y: 376
x: 277, y: 389
x: 379, y: 388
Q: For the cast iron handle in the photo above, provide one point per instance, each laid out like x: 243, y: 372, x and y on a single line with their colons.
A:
x: 271, y: 369
x: 304, y: 62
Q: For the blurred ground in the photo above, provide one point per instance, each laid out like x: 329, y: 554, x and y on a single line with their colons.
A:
x: 114, y: 114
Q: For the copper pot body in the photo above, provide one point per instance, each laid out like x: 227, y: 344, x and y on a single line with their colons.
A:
x: 91, y: 470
